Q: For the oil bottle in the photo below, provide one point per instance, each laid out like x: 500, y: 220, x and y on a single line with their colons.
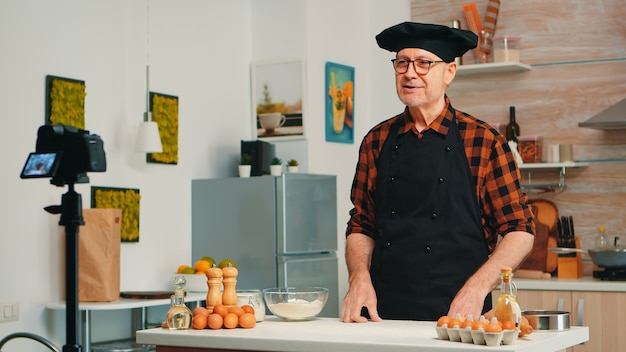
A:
x: 179, y: 315
x: 507, y: 308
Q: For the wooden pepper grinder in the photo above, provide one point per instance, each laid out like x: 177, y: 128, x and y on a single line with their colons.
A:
x: 229, y: 296
x: 214, y: 281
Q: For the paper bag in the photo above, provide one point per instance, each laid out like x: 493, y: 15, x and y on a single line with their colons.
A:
x: 99, y: 255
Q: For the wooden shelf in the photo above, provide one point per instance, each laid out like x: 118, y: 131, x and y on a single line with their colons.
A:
x: 494, y: 67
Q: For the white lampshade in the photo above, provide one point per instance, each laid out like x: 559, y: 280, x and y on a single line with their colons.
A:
x: 148, y: 138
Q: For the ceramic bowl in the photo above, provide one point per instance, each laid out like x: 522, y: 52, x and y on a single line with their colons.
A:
x: 195, y: 282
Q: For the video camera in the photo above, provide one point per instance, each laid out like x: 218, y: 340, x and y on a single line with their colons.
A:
x: 66, y: 154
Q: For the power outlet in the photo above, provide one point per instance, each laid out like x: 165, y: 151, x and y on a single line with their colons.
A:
x: 10, y: 311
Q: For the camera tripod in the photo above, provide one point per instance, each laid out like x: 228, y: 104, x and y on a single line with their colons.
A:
x: 71, y: 210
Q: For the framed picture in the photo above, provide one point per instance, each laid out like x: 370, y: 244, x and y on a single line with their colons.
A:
x: 65, y: 101
x: 277, y: 88
x: 165, y: 113
x: 126, y: 199
x: 339, y: 95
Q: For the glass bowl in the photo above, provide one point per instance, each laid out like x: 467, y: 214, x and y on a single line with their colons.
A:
x: 295, y: 303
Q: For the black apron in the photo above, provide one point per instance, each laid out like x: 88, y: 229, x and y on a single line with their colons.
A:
x: 430, y: 233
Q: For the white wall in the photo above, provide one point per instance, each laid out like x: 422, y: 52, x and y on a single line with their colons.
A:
x: 200, y: 51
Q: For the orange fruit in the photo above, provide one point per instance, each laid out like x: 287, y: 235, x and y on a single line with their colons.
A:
x: 221, y: 310
x: 247, y: 308
x: 201, y: 266
x: 188, y: 270
x: 237, y: 310
x: 247, y: 320
x: 208, y: 259
x: 231, y: 320
x: 199, y: 321
x: 443, y: 320
x: 215, y: 321
x: 181, y: 268
x: 226, y: 263
x: 200, y: 310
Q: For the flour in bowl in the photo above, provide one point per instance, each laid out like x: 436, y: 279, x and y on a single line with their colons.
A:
x: 297, y: 309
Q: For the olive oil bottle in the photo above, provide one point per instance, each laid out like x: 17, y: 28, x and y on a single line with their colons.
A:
x: 507, y: 308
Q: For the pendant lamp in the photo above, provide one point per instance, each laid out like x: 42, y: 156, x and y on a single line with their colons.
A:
x: 148, y: 138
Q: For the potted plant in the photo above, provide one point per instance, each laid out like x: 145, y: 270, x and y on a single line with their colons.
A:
x: 276, y: 166
x: 292, y: 165
x: 245, y: 165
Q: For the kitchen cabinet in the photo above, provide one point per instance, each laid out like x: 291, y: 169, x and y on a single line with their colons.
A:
x: 602, y: 312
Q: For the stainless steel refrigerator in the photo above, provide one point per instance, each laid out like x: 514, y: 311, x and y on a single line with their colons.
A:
x: 281, y: 231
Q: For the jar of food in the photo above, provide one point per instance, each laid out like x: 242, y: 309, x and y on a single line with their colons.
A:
x: 530, y: 148
x: 506, y: 49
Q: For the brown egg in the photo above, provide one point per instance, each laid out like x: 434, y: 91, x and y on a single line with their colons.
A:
x: 199, y: 321
x: 215, y: 321
x: 231, y: 321
x: 247, y: 320
x: 443, y: 320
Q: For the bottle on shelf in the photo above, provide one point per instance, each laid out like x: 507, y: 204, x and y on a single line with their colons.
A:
x: 512, y: 128
x: 179, y: 315
x: 507, y: 308
x: 601, y: 241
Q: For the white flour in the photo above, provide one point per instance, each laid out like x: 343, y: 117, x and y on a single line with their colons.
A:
x: 297, y: 309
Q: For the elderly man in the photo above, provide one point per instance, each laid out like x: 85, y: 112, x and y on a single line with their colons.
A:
x: 433, y: 189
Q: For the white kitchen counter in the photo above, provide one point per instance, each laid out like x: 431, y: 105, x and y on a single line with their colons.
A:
x: 331, y: 335
x: 583, y: 284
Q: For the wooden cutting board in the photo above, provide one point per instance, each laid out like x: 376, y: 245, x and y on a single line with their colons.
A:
x: 546, y: 216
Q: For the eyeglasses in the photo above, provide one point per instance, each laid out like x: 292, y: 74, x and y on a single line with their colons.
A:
x: 421, y: 66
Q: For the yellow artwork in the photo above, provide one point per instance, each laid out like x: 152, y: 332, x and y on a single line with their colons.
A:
x: 65, y: 103
x: 126, y: 199
x: 165, y: 114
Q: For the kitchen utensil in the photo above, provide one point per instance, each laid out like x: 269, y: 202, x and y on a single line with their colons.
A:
x: 547, y: 320
x: 566, y: 250
x: 607, y: 258
x: 546, y: 215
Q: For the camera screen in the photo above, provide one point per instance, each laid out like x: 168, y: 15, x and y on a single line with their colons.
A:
x: 40, y: 165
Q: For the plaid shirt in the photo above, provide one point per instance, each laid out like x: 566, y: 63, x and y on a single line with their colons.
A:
x: 495, y: 174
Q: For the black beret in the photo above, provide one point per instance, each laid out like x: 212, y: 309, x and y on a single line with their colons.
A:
x: 443, y: 41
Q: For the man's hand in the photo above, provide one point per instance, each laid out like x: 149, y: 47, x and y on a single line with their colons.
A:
x: 360, y: 295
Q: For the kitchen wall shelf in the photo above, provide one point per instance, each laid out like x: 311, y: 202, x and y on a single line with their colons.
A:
x: 542, y: 166
x: 494, y: 67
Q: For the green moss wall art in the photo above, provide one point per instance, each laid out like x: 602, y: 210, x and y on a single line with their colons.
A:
x: 126, y: 199
x: 165, y: 113
x: 65, y: 101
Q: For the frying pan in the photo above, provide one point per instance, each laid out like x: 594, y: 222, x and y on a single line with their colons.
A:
x: 612, y: 258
